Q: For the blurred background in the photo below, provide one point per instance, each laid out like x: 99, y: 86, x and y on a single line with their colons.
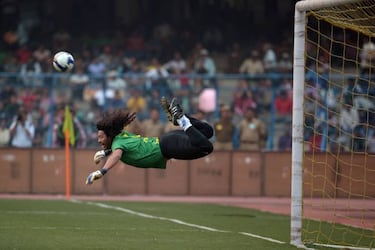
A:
x: 224, y: 61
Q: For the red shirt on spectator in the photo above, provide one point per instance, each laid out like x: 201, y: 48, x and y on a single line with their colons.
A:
x: 23, y: 54
x: 283, y: 104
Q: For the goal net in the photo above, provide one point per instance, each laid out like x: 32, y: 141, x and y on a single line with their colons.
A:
x: 333, y: 160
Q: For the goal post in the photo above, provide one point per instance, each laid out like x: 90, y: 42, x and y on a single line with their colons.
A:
x: 333, y: 167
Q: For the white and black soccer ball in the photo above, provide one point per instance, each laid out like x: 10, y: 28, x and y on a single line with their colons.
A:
x: 63, y: 61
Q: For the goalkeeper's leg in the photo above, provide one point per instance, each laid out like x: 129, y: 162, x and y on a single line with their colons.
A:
x: 185, y: 145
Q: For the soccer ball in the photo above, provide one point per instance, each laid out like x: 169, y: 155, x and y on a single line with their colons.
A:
x: 63, y: 61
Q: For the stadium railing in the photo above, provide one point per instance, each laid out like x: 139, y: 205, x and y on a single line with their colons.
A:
x: 264, y: 87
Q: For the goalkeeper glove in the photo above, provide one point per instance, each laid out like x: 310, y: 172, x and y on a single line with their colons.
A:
x: 101, y: 154
x: 95, y: 176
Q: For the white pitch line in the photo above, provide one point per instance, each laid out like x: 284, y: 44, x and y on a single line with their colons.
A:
x: 154, y: 217
x: 125, y: 210
x: 262, y: 237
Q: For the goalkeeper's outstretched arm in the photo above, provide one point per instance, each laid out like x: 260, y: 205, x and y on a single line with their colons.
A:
x: 112, y: 160
x: 101, y: 154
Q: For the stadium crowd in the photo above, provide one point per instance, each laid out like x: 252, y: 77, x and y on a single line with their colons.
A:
x: 134, y: 72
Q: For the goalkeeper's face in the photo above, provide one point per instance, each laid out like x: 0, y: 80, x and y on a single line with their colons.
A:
x: 104, y: 140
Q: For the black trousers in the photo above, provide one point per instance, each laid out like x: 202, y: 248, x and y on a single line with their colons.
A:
x: 190, y: 144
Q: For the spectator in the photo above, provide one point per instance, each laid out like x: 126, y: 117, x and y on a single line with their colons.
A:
x: 243, y: 99
x: 27, y: 97
x: 269, y: 58
x: 283, y: 104
x: 349, y: 118
x: 234, y: 58
x: 30, y: 71
x: 154, y: 101
x: 224, y: 130
x: 12, y: 107
x: 23, y: 54
x: 79, y: 132
x: 78, y: 81
x: 252, y: 64
x: 177, y: 65
x: 152, y: 126
x: 156, y: 78
x: 137, y: 103
x: 117, y: 102
x: 285, y: 140
x: 103, y: 96
x: 115, y: 82
x: 316, y: 139
x: 22, y: 130
x: 367, y: 56
x: 285, y: 64
x: 360, y: 138
x: 42, y: 55
x: 96, y: 67
x: 205, y: 64
x: 4, y: 133
x: 11, y: 66
x: 252, y: 132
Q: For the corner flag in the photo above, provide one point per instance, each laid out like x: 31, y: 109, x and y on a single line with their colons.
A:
x: 68, y: 127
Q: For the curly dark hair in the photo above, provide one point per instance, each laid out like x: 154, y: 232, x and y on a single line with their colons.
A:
x: 113, y: 122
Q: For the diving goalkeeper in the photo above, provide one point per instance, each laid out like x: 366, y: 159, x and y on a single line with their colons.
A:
x: 149, y: 152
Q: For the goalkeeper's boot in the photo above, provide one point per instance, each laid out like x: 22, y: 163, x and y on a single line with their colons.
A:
x: 165, y: 105
x: 175, y: 111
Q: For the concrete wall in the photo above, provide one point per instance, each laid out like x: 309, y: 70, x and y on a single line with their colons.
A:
x: 42, y: 171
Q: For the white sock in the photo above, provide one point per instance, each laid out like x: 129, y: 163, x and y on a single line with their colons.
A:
x: 184, y: 122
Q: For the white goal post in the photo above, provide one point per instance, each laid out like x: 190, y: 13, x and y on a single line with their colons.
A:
x: 299, y: 71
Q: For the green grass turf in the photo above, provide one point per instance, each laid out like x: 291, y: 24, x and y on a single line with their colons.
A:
x: 59, y: 224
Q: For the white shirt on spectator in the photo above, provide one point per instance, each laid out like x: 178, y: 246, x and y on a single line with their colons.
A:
x: 21, y: 139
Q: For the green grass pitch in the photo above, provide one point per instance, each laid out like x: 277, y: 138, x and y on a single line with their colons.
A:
x: 60, y: 224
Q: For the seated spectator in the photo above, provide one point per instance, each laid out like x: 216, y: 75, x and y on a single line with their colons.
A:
x: 177, y: 65
x: 156, y: 78
x: 234, y: 58
x: 23, y: 54
x: 359, y: 138
x: 252, y: 65
x: 349, y: 118
x: 79, y: 132
x: 152, y: 126
x: 283, y: 104
x: 115, y: 82
x: 243, y: 102
x: 285, y: 64
x: 367, y: 56
x: 269, y: 57
x: 117, y: 102
x: 4, y: 133
x: 42, y: 55
x: 78, y: 81
x: 205, y: 64
x: 285, y: 140
x: 96, y: 67
x: 137, y: 103
x: 22, y: 130
x: 30, y: 71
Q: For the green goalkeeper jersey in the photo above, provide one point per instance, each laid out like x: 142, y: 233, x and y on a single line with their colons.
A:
x: 142, y: 152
